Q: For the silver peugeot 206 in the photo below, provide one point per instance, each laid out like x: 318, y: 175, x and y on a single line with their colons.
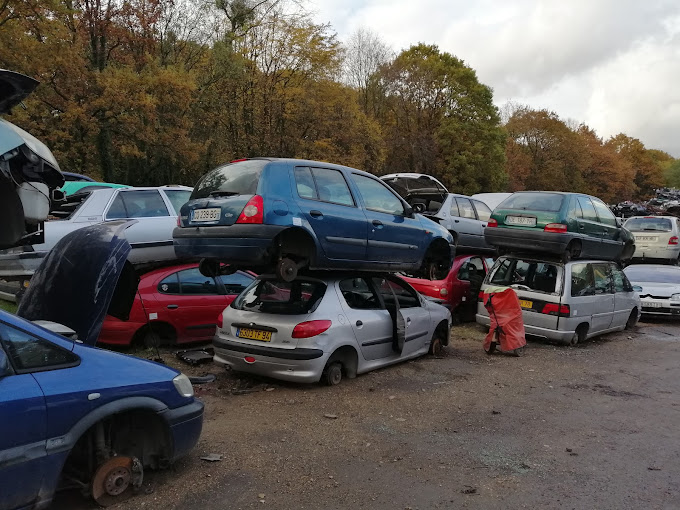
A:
x: 323, y: 328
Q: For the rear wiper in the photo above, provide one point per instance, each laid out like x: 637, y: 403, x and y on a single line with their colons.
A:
x: 222, y: 193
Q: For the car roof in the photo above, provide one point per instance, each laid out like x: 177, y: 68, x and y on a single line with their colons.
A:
x: 653, y: 266
x: 308, y: 162
x: 648, y: 216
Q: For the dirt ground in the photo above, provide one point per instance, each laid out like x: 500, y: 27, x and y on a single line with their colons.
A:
x: 594, y: 426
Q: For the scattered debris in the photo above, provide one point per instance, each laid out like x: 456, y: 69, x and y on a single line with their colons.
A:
x: 495, y: 412
x: 330, y: 416
x: 269, y: 389
x: 196, y: 356
x: 569, y: 450
x: 202, y: 379
x: 654, y: 468
x: 469, y: 490
x: 212, y: 457
x: 401, y: 419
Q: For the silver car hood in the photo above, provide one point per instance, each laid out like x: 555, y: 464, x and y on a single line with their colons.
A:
x: 660, y: 290
x: 12, y: 136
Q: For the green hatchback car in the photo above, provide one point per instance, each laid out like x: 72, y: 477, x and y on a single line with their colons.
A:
x: 570, y: 225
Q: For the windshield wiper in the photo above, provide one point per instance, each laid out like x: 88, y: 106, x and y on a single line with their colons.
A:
x: 223, y: 193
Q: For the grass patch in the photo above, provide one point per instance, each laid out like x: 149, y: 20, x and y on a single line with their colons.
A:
x: 7, y: 306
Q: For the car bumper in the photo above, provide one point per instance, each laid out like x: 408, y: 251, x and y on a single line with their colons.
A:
x: 651, y: 253
x: 527, y: 239
x: 186, y: 424
x: 296, y: 365
x: 20, y: 265
x: 561, y: 335
x: 239, y: 244
x: 660, y: 307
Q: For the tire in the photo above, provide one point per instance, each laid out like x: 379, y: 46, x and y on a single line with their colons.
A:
x: 437, y: 344
x: 572, y: 252
x: 332, y: 374
x: 519, y: 352
x: 286, y: 270
x: 209, y: 267
x: 579, y: 336
x: 633, y: 319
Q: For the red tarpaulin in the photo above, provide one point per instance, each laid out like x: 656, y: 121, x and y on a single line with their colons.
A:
x: 507, y: 327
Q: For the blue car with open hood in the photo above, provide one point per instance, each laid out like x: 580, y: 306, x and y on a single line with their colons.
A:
x: 292, y: 214
x: 73, y: 415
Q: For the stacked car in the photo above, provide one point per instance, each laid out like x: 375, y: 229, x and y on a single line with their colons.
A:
x: 326, y: 240
x: 562, y: 253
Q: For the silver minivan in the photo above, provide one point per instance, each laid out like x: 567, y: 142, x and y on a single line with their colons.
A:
x: 565, y: 302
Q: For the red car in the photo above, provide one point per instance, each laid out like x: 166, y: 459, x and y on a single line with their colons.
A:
x: 176, y: 305
x: 460, y: 288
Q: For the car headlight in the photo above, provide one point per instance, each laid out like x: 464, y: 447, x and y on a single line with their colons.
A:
x: 183, y: 385
x: 675, y: 297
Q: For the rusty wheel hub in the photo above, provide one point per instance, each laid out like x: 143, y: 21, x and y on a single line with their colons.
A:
x: 113, y: 479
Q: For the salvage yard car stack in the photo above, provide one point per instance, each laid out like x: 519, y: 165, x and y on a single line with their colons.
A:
x: 562, y: 254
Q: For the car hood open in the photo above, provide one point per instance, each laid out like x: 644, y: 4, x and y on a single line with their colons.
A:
x: 414, y: 185
x: 14, y: 88
x: 82, y: 279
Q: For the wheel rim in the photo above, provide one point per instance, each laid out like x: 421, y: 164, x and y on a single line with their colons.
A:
x: 335, y: 375
x: 112, y: 480
x: 287, y: 270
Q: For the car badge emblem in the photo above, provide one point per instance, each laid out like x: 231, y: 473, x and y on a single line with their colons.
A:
x: 228, y: 215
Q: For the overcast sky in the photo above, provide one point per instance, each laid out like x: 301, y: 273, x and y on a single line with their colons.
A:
x: 613, y: 64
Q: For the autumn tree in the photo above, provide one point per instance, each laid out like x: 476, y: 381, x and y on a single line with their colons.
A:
x: 647, y: 168
x: 365, y: 53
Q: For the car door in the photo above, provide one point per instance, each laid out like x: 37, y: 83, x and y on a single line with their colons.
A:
x: 371, y: 322
x: 624, y: 297
x: 151, y: 236
x: 469, y: 229
x: 327, y: 202
x: 23, y: 432
x: 393, y: 237
x: 603, y: 305
x: 191, y: 303
x: 417, y: 319
x: 610, y: 232
x: 588, y: 225
x: 470, y: 277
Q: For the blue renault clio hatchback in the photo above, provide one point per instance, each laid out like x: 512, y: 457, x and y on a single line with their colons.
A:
x: 290, y: 214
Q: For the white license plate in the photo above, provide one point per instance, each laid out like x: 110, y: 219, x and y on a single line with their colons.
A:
x: 212, y: 214
x: 524, y: 221
x: 652, y: 304
x: 645, y: 238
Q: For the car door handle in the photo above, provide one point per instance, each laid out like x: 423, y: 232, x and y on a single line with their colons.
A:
x: 359, y: 323
x: 315, y: 213
x: 377, y: 223
x: 456, y: 221
x: 581, y: 227
x: 172, y: 307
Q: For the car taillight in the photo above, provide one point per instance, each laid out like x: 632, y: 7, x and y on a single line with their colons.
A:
x: 179, y: 223
x: 555, y: 227
x: 492, y: 223
x: 253, y: 212
x: 238, y: 160
x: 555, y: 309
x: 220, y: 321
x: 673, y: 240
x: 311, y: 328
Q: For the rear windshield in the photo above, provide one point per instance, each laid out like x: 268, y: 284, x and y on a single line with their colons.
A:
x: 526, y: 275
x: 239, y: 178
x: 548, y: 202
x: 649, y: 225
x: 281, y: 298
x: 652, y: 274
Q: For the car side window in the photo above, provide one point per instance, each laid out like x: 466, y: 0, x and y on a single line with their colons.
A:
x: 177, y: 197
x: 305, y: 183
x: 389, y: 289
x: 582, y: 280
x: 472, y: 270
x: 621, y: 283
x: 589, y: 212
x: 604, y: 213
x: 359, y: 294
x: 237, y: 282
x: 465, y: 208
x: 29, y: 353
x: 377, y: 196
x: 483, y: 212
x: 192, y: 282
x: 575, y: 209
x: 332, y: 187
x: 146, y: 203
x: 169, y: 285
x: 602, y: 278
x: 454, y: 207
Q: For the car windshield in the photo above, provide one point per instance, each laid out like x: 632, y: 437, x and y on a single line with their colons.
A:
x: 547, y: 202
x: 239, y: 178
x: 526, y: 275
x: 649, y: 225
x: 653, y: 274
x: 281, y: 298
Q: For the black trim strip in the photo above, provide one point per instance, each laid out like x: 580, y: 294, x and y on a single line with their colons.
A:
x: 151, y: 244
x: 416, y: 337
x: 346, y: 240
x: 273, y: 352
x: 387, y: 340
x: 203, y: 326
x: 389, y: 245
x: 254, y: 326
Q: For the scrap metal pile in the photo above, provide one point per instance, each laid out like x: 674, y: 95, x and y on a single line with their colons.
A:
x: 666, y: 202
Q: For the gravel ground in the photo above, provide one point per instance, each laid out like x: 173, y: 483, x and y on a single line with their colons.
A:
x: 588, y: 427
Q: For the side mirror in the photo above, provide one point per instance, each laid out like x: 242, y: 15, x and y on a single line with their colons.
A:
x: 408, y: 211
x: 637, y: 288
x: 619, y: 222
x: 5, y: 368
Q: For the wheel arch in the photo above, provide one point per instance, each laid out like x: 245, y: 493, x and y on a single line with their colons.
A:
x: 349, y: 357
x: 163, y: 328
x: 297, y: 241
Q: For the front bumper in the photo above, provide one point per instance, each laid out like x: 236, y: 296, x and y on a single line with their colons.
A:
x: 660, y: 307
x: 186, y: 424
x: 528, y: 239
x: 237, y: 244
x: 296, y: 365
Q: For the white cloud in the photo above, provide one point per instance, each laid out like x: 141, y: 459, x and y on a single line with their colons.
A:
x: 613, y: 64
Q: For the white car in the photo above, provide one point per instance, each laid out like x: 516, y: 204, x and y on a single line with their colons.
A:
x: 656, y: 237
x: 658, y: 286
x: 321, y: 329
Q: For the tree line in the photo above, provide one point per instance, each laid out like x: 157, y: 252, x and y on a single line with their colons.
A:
x: 150, y: 92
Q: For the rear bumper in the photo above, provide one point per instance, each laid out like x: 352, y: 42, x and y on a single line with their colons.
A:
x: 115, y: 332
x: 20, y: 265
x: 296, y: 365
x: 652, y: 253
x: 186, y: 424
x: 552, y: 334
x: 528, y: 240
x: 238, y: 244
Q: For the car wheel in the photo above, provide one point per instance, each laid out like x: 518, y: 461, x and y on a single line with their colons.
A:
x: 209, y: 267
x: 434, y: 271
x: 579, y: 336
x: 437, y: 344
x: 286, y: 270
x: 632, y: 320
x: 114, y: 479
x: 332, y: 375
x: 519, y: 352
